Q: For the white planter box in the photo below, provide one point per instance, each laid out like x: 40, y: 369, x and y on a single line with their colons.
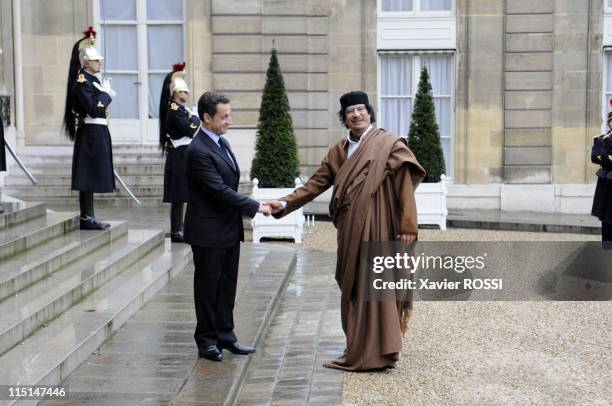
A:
x: 291, y: 226
x: 431, y: 203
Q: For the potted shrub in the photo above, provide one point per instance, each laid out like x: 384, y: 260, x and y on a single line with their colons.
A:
x: 424, y: 141
x: 274, y: 170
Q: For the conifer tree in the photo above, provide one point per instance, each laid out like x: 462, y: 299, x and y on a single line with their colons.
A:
x: 424, y: 134
x: 276, y: 160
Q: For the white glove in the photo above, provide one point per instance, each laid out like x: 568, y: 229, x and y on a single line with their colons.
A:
x: 194, y: 109
x: 105, y: 87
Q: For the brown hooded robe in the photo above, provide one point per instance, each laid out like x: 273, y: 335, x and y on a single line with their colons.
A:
x: 373, y: 200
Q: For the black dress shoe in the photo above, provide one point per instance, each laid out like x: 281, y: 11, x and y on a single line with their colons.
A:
x: 90, y: 223
x: 211, y: 353
x: 237, y: 348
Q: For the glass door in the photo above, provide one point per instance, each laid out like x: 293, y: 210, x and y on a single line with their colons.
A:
x: 140, y: 40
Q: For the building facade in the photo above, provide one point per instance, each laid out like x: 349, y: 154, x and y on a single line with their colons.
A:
x: 520, y: 86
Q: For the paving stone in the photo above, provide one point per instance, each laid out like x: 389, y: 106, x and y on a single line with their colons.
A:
x: 303, y: 328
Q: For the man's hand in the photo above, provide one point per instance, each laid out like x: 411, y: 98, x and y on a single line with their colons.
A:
x: 264, y: 209
x: 406, y: 237
x: 275, y: 205
x: 105, y: 87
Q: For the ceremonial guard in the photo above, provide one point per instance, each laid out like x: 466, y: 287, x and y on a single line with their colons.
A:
x: 86, y: 122
x: 601, y: 154
x: 177, y: 126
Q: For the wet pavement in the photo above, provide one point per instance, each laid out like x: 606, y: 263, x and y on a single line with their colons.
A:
x: 524, y: 221
x: 152, y: 360
x: 306, y: 332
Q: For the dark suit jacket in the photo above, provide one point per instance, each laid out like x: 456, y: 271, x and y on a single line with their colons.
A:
x: 214, y: 209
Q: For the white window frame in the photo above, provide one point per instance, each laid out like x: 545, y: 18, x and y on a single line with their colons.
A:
x: 604, y: 93
x: 607, y: 9
x: 416, y: 77
x: 148, y: 127
x: 416, y: 11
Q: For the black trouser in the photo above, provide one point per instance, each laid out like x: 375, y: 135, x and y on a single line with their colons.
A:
x: 86, y: 204
x: 606, y: 234
x: 214, y: 286
x: 176, y: 217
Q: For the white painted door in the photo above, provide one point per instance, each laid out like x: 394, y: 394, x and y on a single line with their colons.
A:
x: 140, y: 40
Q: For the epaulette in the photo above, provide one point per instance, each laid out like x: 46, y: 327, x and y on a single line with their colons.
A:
x: 174, y: 106
x: 81, y: 78
x: 193, y: 126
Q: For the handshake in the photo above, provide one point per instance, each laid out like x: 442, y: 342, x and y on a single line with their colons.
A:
x: 270, y: 207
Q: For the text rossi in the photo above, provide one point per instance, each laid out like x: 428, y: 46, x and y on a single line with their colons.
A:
x: 426, y: 284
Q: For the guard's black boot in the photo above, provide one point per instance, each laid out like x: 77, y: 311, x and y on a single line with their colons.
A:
x: 606, y: 235
x: 176, y: 222
x: 87, y: 219
x: 176, y: 237
x: 90, y: 223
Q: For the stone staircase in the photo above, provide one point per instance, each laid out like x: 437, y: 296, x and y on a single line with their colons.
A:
x: 140, y: 166
x: 64, y: 291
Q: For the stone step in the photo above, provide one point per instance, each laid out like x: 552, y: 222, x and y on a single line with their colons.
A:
x: 50, y: 354
x: 56, y: 195
x: 24, y: 236
x: 19, y: 212
x: 122, y: 169
x: 66, y: 160
x: 103, y: 201
x: 153, y: 358
x: 23, y: 269
x: 41, y: 192
x: 41, y: 302
x: 66, y: 180
x: 42, y: 150
x: 524, y: 221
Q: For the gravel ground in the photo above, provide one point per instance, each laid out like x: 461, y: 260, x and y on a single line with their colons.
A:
x: 491, y: 352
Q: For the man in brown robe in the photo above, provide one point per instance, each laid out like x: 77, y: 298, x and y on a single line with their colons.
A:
x: 374, y: 175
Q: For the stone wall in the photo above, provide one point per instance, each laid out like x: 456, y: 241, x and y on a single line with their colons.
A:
x: 533, y: 121
x: 325, y: 48
x: 49, y: 30
x: 528, y: 75
x: 577, y: 95
x: 479, y: 92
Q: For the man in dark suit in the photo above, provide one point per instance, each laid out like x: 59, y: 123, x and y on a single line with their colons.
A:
x: 213, y: 227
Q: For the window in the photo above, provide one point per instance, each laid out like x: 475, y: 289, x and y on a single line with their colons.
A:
x: 607, y: 93
x: 399, y: 76
x: 416, y: 5
x: 140, y: 40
